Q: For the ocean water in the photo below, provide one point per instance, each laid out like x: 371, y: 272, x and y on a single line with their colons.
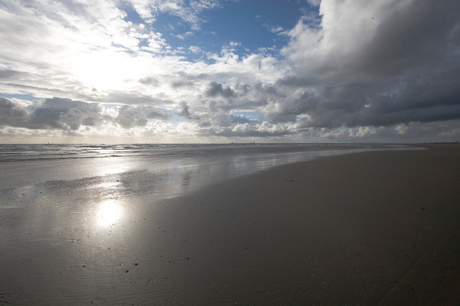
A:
x: 165, y: 170
x: 84, y: 224
x: 23, y: 152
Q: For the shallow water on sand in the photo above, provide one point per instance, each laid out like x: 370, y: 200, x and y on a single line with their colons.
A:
x: 77, y: 221
x: 165, y: 170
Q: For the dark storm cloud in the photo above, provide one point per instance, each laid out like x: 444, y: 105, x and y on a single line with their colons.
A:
x: 183, y: 110
x: 66, y: 114
x: 12, y: 114
x: 216, y: 89
x: 247, y: 97
x: 407, y: 71
x: 55, y: 113
x: 408, y: 37
x: 353, y: 45
x: 293, y: 81
x: 90, y: 121
x: 412, y: 98
x: 59, y: 113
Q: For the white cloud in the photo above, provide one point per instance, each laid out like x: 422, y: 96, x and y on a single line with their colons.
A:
x: 273, y: 29
x: 314, y: 2
x: 187, y: 11
x: 195, y: 49
x: 276, y: 29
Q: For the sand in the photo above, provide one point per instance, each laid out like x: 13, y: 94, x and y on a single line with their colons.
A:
x: 371, y: 228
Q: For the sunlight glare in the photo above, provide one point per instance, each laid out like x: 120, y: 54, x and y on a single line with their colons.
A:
x: 105, y: 70
x: 109, y: 213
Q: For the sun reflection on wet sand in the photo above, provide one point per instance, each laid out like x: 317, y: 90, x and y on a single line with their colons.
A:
x: 109, y: 213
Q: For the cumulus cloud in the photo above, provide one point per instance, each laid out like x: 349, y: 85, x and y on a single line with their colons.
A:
x: 372, y: 64
x: 195, y: 49
x: 129, y: 117
x: 55, y: 113
x: 364, y: 40
x: 149, y: 81
x: 66, y: 114
x: 251, y: 129
x: 12, y: 114
x: 183, y: 110
x: 216, y: 89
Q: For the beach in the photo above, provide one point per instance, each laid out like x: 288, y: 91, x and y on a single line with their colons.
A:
x: 366, y: 228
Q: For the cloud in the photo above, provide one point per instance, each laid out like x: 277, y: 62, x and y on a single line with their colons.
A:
x: 252, y: 129
x: 129, y: 117
x: 241, y: 119
x: 149, y: 81
x: 187, y: 11
x: 195, y: 49
x: 7, y: 74
x: 360, y: 69
x: 12, y: 114
x: 55, y: 113
x: 215, y: 90
x: 397, y: 100
x: 363, y: 40
x: 371, y: 64
x: 314, y: 2
x: 274, y: 29
x: 65, y: 114
x: 122, y: 97
x: 181, y: 83
x: 69, y: 115
x: 183, y: 110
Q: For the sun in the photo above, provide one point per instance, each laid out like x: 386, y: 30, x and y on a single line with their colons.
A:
x: 105, y: 70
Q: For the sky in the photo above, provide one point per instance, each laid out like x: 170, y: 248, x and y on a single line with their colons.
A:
x: 216, y: 71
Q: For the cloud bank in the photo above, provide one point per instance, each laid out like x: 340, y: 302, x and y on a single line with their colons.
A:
x: 356, y: 71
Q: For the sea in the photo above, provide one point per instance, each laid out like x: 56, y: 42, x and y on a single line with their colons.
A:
x: 163, y: 169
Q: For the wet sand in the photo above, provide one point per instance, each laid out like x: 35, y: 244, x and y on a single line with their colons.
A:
x: 371, y: 228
